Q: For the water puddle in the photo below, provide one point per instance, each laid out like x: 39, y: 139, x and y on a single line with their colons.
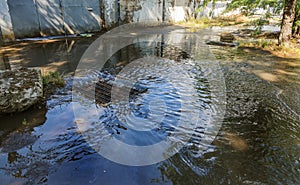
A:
x: 258, y: 142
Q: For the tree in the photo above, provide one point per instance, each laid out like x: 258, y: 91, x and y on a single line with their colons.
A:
x: 290, y: 25
x: 296, y: 24
x: 248, y: 7
x: 288, y: 18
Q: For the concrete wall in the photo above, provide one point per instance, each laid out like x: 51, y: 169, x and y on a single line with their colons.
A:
x: 49, y: 17
x: 34, y: 18
x: 137, y: 11
x: 214, y: 10
x: 6, y: 28
x: 24, y: 18
x: 81, y: 16
x: 110, y: 12
x: 53, y: 17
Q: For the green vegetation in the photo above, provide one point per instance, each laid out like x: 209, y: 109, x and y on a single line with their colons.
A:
x: 251, y: 38
x: 260, y: 43
x: 24, y: 122
x: 258, y: 24
x: 248, y: 7
x: 54, y: 78
x: 284, y: 43
x: 290, y: 23
x: 296, y: 24
x: 291, y: 50
x: 206, y: 22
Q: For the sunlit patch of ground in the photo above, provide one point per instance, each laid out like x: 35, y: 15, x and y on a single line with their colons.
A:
x: 290, y: 50
x: 253, y: 38
x: 220, y: 21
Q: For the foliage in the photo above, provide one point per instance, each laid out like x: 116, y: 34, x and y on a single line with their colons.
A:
x: 24, y: 122
x: 296, y: 24
x: 54, y: 78
x: 260, y: 43
x: 298, y: 8
x: 204, y: 4
x: 248, y: 7
x: 206, y: 22
x: 291, y: 50
x: 258, y: 24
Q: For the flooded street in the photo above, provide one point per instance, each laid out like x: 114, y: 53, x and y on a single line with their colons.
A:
x: 258, y: 141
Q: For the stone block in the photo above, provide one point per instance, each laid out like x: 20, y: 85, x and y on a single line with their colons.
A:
x: 19, y: 89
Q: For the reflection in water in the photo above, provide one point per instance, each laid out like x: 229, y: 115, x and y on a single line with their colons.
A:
x: 122, y: 58
x: 263, y: 150
x: 52, y: 55
x: 131, y: 121
x: 259, y: 142
x: 4, y: 62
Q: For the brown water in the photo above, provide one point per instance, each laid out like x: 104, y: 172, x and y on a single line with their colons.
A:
x: 258, y: 143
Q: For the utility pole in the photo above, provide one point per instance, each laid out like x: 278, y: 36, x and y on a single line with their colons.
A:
x: 119, y: 13
x: 163, y: 11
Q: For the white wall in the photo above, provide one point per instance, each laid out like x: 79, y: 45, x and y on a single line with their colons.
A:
x: 33, y: 18
x: 5, y: 22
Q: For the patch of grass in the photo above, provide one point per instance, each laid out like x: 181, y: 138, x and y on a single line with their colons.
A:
x: 54, y: 78
x: 291, y: 50
x: 259, y: 43
x: 207, y: 22
x: 24, y: 122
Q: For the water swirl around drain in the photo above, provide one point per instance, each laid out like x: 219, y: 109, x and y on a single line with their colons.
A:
x: 151, y: 97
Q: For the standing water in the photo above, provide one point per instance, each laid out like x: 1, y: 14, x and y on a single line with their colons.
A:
x: 175, y: 94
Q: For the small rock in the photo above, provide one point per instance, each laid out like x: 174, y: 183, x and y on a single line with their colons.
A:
x: 19, y: 89
x: 226, y: 37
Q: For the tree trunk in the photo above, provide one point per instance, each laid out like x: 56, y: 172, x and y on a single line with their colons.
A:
x: 287, y: 21
x: 296, y: 32
x: 296, y: 26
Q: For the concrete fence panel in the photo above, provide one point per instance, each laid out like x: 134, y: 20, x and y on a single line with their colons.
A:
x: 81, y: 16
x: 34, y: 18
x: 50, y: 17
x: 24, y: 18
x: 6, y: 29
